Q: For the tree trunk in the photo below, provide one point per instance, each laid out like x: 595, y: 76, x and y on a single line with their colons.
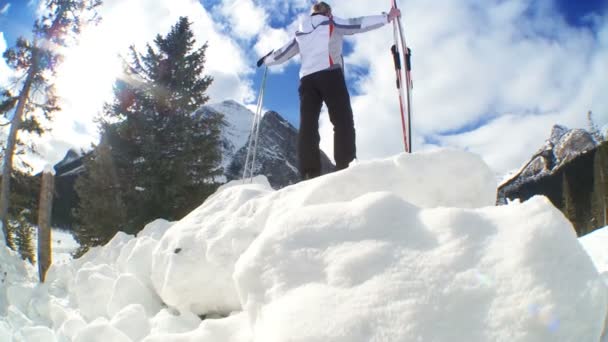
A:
x: 44, y: 224
x: 11, y: 143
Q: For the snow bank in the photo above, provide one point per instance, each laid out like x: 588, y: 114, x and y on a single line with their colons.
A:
x: 409, y: 248
x: 596, y: 245
x: 381, y: 269
x: 194, y: 263
x: 13, y: 271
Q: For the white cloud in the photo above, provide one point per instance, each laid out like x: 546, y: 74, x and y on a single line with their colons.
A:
x: 4, y: 69
x: 245, y: 18
x: 510, y: 69
x: 5, y: 8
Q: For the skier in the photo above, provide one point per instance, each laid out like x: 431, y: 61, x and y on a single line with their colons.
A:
x: 319, y: 42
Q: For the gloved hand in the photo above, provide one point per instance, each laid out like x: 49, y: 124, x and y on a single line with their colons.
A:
x: 393, y: 13
x: 261, y: 60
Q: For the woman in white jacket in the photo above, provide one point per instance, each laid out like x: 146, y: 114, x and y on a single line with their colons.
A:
x: 319, y: 41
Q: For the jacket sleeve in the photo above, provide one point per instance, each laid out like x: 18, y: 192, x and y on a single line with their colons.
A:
x: 283, y: 54
x: 359, y: 25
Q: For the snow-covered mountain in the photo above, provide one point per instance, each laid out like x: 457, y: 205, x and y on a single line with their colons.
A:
x: 238, y: 125
x: 276, y: 156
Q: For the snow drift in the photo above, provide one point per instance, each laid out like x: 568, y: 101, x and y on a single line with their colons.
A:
x: 409, y: 248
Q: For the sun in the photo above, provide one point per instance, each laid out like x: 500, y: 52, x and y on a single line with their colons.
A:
x: 85, y: 79
x: 86, y: 76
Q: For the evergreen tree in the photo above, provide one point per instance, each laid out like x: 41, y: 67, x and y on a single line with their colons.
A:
x: 166, y: 159
x: 102, y: 211
x: 34, y: 60
x: 24, y: 236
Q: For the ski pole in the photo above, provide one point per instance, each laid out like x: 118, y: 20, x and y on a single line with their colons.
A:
x: 255, y: 130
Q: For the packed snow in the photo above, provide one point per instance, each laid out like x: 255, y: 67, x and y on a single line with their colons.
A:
x: 410, y: 248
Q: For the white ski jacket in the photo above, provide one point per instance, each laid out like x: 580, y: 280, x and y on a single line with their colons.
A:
x: 319, y: 41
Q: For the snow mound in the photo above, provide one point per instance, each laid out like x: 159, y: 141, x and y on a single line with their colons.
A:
x: 206, y: 244
x: 410, y: 248
x: 381, y: 269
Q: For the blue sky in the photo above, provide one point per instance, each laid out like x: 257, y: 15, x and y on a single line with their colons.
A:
x: 480, y: 71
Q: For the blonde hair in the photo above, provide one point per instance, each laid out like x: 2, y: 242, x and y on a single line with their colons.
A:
x: 321, y: 7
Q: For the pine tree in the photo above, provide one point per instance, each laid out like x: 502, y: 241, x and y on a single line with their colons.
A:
x: 24, y: 237
x: 166, y: 159
x: 101, y: 213
x: 35, y: 61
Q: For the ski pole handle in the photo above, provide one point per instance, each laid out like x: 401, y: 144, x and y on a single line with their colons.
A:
x: 396, y: 57
x: 408, y: 59
x: 397, y: 61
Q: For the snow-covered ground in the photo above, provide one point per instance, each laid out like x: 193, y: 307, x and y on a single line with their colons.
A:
x: 63, y: 245
x: 409, y: 248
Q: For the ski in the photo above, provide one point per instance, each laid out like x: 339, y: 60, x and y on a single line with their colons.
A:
x: 405, y: 97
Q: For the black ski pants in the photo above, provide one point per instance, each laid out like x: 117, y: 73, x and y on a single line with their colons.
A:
x: 326, y: 86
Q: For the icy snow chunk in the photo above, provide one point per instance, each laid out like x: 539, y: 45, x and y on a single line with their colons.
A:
x: 101, y: 331
x: 132, y: 321
x: 378, y: 268
x: 231, y: 329
x: 129, y: 290
x: 169, y: 321
x: 93, y: 289
x: 36, y: 334
x: 136, y: 258
x: 106, y: 254
x: 16, y: 318
x: 58, y: 313
x: 155, y: 229
x: 5, y: 331
x: 13, y: 271
x: 193, y: 263
x: 20, y: 295
x: 71, y: 327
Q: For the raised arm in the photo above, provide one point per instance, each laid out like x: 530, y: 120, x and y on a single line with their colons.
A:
x: 364, y: 24
x: 359, y: 25
x: 281, y: 55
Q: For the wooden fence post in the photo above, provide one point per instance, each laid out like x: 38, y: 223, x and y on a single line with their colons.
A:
x: 44, y: 221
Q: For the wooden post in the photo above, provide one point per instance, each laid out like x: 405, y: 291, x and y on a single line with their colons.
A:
x: 44, y: 222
